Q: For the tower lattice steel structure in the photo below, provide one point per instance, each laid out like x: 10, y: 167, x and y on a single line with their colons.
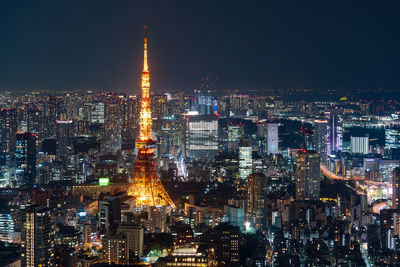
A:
x: 146, y: 185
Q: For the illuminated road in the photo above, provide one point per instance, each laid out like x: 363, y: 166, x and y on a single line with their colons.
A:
x: 341, y: 178
x: 332, y: 175
x: 377, y: 207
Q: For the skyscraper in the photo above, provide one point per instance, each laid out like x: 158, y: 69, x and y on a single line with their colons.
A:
x: 8, y: 127
x: 50, y: 115
x: 202, y: 136
x: 307, y: 175
x: 6, y: 225
x: 392, y: 138
x: 359, y: 145
x: 37, y: 238
x: 113, y: 141
x: 203, y: 103
x: 396, y: 189
x: 257, y: 191
x: 97, y: 113
x: 64, y: 137
x: 235, y: 133
x: 321, y: 138
x: 272, y: 138
x: 245, y: 159
x: 25, y: 159
x: 146, y: 185
x: 335, y: 130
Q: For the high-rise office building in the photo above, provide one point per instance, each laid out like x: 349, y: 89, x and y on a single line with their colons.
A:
x: 158, y: 106
x: 25, y: 159
x: 64, y: 137
x: 371, y: 167
x: 321, y: 138
x: 109, y: 214
x: 97, y: 113
x: 203, y: 103
x: 202, y: 136
x: 37, y: 237
x: 392, y: 138
x: 257, y: 191
x: 272, y: 138
x: 307, y: 175
x: 359, y: 145
x: 6, y: 225
x: 8, y: 128
x: 235, y: 134
x: 134, y: 235
x: 239, y: 102
x: 225, y: 240
x: 113, y: 140
x: 245, y: 159
x: 396, y: 189
x: 50, y: 113
x: 335, y: 130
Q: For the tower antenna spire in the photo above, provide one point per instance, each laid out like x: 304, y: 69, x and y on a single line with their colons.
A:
x: 146, y: 185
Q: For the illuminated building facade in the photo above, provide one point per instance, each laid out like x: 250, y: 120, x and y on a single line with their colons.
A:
x: 64, y: 137
x: 8, y: 126
x: 146, y: 185
x: 235, y: 133
x: 225, y: 240
x: 156, y: 219
x: 158, y: 105
x: 307, y: 175
x: 396, y: 189
x: 371, y: 167
x: 25, y: 159
x: 196, y: 256
x: 97, y: 113
x: 114, y: 249
x: 113, y: 141
x: 386, y: 168
x: 257, y: 188
x: 202, y: 136
x: 245, y: 159
x: 204, y: 103
x: 335, y: 130
x: 392, y: 138
x: 359, y: 145
x: 37, y: 237
x: 6, y: 225
x: 272, y: 138
x: 321, y: 138
x: 134, y: 235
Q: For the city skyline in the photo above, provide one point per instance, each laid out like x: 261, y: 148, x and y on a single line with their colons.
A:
x: 220, y: 173
x: 94, y: 45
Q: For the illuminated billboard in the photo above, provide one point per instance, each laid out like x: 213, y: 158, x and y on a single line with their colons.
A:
x: 104, y: 181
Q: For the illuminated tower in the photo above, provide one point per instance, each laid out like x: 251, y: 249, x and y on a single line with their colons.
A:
x: 146, y: 185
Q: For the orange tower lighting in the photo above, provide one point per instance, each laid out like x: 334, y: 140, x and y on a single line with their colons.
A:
x: 146, y: 186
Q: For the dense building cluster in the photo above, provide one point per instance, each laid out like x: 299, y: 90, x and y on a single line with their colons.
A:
x: 198, y: 179
x: 255, y: 180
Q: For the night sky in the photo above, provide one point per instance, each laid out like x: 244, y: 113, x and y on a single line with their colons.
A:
x: 247, y: 44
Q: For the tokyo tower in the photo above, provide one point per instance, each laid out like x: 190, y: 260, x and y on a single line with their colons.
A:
x: 146, y: 186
